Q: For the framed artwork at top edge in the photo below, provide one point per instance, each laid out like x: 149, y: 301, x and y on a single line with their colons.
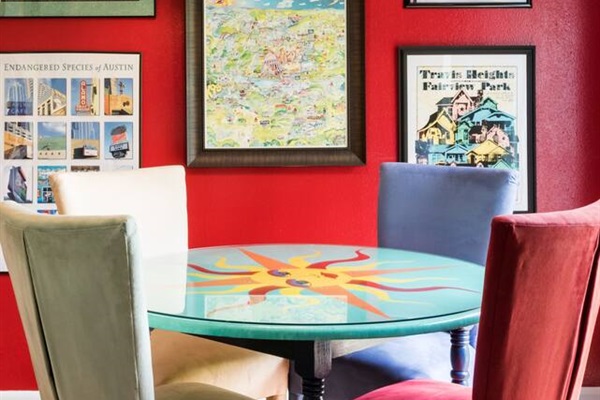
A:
x: 77, y: 8
x: 271, y: 86
x: 466, y: 3
x: 470, y: 107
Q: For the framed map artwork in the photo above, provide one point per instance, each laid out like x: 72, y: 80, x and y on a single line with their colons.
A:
x: 275, y: 82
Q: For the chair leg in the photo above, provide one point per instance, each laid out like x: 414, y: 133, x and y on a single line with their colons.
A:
x: 459, y: 356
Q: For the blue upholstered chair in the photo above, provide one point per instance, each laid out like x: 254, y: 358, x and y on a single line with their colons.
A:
x: 79, y: 290
x: 441, y: 210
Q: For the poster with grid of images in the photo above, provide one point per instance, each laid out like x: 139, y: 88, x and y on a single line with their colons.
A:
x: 59, y: 112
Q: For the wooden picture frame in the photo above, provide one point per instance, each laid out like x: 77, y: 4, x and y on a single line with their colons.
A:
x: 286, y: 87
x: 470, y: 107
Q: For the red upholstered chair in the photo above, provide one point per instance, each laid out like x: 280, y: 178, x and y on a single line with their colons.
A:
x: 540, y: 302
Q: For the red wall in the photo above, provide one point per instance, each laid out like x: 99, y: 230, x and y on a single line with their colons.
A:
x: 334, y: 204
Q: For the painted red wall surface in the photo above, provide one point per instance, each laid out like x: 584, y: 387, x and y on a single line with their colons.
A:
x: 334, y: 204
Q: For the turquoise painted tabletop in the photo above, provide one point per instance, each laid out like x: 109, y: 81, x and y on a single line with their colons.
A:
x: 310, y: 291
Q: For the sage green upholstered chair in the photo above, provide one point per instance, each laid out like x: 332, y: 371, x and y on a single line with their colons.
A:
x: 156, y: 198
x: 80, y: 297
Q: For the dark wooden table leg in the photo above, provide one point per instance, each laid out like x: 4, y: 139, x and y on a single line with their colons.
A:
x: 313, y: 365
x: 312, y: 359
x: 459, y: 355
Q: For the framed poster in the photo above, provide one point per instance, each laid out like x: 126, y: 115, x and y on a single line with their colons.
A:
x: 275, y: 83
x: 466, y: 3
x: 65, y: 112
x: 76, y: 8
x: 470, y: 107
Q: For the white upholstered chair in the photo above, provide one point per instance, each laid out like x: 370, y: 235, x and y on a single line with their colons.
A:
x: 78, y: 289
x: 156, y: 198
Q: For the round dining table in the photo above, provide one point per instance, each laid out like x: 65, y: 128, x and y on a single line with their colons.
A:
x: 295, y: 300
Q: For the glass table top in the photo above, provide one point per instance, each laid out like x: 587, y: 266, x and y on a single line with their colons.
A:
x: 295, y: 286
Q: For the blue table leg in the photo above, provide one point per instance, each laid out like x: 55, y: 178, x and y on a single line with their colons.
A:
x: 459, y: 355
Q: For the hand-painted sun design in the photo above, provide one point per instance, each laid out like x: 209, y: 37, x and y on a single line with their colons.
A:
x: 336, y: 277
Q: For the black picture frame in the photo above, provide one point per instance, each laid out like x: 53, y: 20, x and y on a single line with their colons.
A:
x: 352, y: 152
x: 471, y: 107
x: 467, y: 3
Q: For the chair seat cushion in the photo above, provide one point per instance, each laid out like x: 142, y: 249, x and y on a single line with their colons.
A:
x: 425, y: 356
x: 424, y: 389
x: 254, y: 374
x: 195, y: 391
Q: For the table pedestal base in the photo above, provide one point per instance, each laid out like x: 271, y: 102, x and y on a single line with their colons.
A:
x: 312, y: 359
x: 313, y: 389
x: 313, y: 367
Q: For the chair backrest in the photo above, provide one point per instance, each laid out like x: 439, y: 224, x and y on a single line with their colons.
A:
x: 77, y: 286
x: 442, y: 210
x: 540, y: 303
x: 155, y: 197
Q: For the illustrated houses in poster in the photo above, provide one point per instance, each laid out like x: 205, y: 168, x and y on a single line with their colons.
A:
x: 468, y: 130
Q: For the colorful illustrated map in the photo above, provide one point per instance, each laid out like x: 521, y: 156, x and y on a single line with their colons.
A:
x: 275, y: 74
